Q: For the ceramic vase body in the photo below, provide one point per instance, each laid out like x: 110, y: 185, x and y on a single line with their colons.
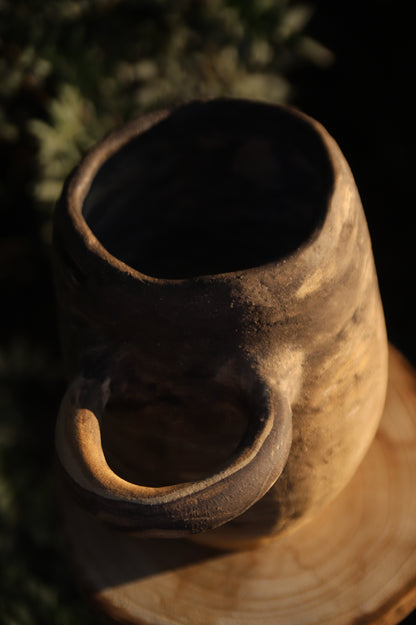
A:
x: 221, y: 324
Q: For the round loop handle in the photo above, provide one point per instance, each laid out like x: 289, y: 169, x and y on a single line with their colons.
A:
x: 179, y: 509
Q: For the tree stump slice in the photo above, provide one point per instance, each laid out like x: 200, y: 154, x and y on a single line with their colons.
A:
x: 353, y: 564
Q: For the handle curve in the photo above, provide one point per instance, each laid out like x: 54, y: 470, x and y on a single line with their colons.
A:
x: 180, y: 509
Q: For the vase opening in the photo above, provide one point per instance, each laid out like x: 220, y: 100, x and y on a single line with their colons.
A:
x: 215, y: 187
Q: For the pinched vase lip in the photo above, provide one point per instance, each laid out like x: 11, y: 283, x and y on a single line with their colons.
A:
x: 81, y: 180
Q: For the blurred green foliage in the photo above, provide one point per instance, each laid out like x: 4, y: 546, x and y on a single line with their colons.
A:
x: 85, y: 66
x: 71, y: 70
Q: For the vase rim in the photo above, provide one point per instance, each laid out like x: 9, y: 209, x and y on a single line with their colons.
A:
x: 82, y: 178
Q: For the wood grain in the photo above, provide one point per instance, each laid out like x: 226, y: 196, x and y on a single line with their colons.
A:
x: 353, y: 564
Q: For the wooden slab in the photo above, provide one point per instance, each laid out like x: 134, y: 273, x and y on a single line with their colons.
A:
x: 354, y: 564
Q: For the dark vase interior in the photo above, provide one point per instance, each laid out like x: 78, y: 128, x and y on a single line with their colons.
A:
x: 216, y: 187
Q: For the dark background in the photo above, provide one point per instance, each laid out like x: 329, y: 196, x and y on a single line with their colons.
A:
x: 365, y: 100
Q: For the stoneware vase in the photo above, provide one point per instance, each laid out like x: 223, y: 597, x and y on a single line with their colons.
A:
x: 221, y: 324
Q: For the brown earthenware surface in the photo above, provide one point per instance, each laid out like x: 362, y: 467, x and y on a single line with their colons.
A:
x: 288, y: 321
